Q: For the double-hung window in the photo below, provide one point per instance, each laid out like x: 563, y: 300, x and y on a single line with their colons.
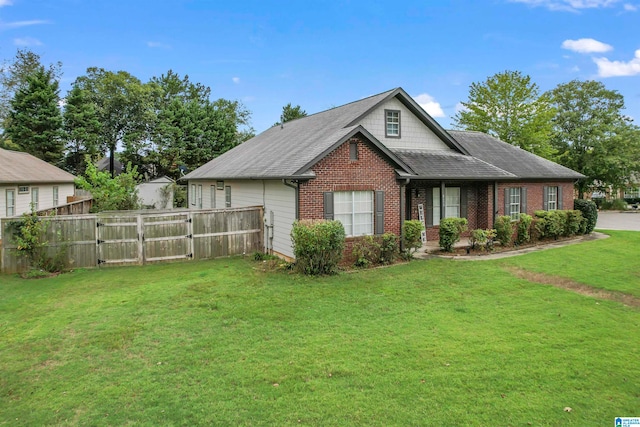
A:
x: 35, y: 196
x: 212, y: 190
x: 227, y: 196
x: 56, y: 194
x: 514, y: 203
x: 10, y: 196
x: 199, y: 197
x: 552, y: 198
x: 392, y: 123
x: 354, y: 209
x: 452, y: 203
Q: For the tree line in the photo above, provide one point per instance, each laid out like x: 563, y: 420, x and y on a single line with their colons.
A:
x: 579, y: 124
x: 166, y: 126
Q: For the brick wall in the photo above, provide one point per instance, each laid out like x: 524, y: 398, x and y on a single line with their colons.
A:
x: 535, y: 193
x: 337, y: 172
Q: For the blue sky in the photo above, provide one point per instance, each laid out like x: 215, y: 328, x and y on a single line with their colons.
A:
x: 321, y: 54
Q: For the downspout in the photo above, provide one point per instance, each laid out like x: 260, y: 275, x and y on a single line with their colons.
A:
x: 295, y: 185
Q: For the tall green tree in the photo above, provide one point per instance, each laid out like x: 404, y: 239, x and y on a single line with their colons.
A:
x: 35, y: 121
x: 509, y: 106
x: 124, y: 108
x: 190, y: 129
x: 290, y: 112
x: 13, y: 76
x: 593, y: 136
x: 82, y: 130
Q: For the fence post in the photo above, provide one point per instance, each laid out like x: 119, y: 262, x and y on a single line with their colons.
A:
x: 190, y: 232
x: 140, y: 240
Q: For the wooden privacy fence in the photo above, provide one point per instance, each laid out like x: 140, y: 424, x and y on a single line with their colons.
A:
x: 139, y: 237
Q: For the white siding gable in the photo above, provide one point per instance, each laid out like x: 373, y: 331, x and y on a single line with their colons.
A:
x: 414, y: 135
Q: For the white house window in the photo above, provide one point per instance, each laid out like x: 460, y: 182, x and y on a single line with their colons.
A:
x: 192, y: 195
x: 552, y: 198
x: 213, y: 196
x: 199, y: 197
x: 631, y: 193
x: 452, y: 203
x: 24, y: 189
x: 55, y: 195
x: 514, y: 203
x: 392, y: 123
x: 35, y: 196
x: 11, y: 202
x: 354, y: 209
x: 227, y: 196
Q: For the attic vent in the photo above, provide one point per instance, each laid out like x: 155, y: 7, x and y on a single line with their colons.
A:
x: 23, y: 189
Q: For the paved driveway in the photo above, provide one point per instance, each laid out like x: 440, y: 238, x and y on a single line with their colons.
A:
x: 608, y: 220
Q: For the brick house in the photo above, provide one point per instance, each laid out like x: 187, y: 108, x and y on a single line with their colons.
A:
x: 370, y: 164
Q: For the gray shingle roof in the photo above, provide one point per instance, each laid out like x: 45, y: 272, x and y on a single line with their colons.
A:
x: 515, y: 160
x: 291, y: 150
x: 22, y: 168
x: 449, y: 165
x: 288, y: 151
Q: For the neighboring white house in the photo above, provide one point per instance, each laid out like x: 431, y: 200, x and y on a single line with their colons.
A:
x: 27, y: 181
x: 157, y: 193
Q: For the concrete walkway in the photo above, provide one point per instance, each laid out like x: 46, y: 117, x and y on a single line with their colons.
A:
x: 432, y: 246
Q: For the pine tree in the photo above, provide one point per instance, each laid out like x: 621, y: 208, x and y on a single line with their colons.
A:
x: 82, y: 130
x: 35, y: 121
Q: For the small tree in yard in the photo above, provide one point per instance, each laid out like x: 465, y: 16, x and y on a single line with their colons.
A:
x: 412, y: 235
x: 118, y: 193
x: 450, y: 231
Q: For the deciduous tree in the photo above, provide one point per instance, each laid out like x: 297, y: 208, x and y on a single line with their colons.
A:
x: 508, y: 106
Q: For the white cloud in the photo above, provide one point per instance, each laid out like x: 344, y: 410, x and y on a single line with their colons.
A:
x: 575, y: 69
x: 586, y: 46
x: 5, y: 3
x: 20, y: 24
x: 460, y: 108
x: 607, y: 68
x: 158, y: 45
x: 630, y: 7
x: 568, y: 5
x: 236, y: 80
x: 430, y: 105
x: 27, y: 41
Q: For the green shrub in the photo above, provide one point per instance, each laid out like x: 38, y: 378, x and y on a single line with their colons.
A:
x: 589, y: 212
x: 412, y: 236
x: 574, y: 221
x: 538, y: 227
x: 523, y: 233
x: 555, y: 224
x: 317, y: 246
x: 30, y: 238
x: 504, y: 230
x: 374, y: 250
x: 450, y: 231
x: 614, y: 205
x: 480, y: 238
x: 389, y: 248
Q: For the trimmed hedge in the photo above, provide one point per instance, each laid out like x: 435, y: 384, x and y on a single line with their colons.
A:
x: 374, y: 250
x: 317, y: 246
x: 504, y: 229
x: 412, y: 235
x: 589, y: 212
x: 523, y: 233
x: 450, y: 231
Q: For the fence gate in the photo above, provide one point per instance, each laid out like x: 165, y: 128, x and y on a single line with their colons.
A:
x: 144, y: 238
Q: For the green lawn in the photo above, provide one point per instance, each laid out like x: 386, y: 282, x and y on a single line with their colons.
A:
x: 436, y: 342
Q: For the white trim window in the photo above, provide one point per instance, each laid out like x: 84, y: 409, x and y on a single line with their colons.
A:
x: 192, y: 195
x: 199, y: 196
x: 213, y: 196
x: 552, y: 198
x: 514, y: 203
x: 56, y: 195
x: 452, y: 203
x: 354, y: 209
x: 10, y: 197
x: 35, y: 198
x: 392, y: 123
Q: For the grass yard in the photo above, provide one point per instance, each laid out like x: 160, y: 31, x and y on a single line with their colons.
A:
x: 436, y: 342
